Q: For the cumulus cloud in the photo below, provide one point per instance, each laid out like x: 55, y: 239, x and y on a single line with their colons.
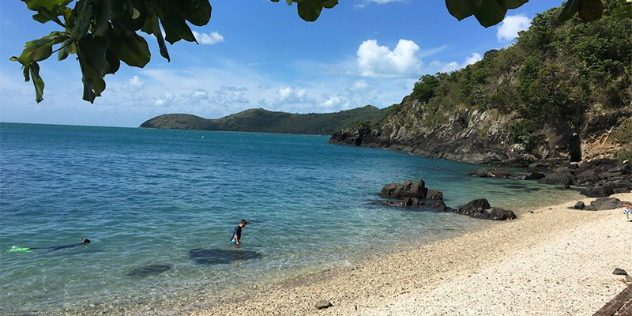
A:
x: 196, y: 96
x: 330, y: 101
x: 378, y: 61
x: 359, y: 85
x: 208, y: 39
x: 510, y: 26
x: 473, y: 59
x: 133, y: 84
x: 452, y: 66
x: 228, y: 95
x: 164, y: 100
x: 292, y: 95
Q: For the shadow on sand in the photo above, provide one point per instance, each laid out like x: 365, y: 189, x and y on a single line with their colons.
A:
x: 221, y: 256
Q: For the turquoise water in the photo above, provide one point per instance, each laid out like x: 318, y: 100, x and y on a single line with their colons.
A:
x: 147, y: 197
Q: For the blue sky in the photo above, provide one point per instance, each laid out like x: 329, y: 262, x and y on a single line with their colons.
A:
x: 260, y: 54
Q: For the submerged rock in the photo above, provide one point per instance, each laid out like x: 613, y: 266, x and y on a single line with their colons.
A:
x: 149, y: 270
x: 221, y: 256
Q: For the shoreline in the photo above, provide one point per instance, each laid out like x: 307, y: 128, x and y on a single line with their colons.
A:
x: 550, y: 261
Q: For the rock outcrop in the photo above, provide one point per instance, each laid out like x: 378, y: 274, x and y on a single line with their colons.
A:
x: 416, y: 195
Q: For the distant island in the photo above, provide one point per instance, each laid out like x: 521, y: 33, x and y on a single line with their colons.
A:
x: 264, y: 121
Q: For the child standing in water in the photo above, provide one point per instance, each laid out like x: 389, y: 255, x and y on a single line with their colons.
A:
x: 628, y: 209
x: 237, y: 232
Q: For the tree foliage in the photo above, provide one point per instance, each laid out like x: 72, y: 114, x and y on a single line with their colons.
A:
x: 104, y: 33
x: 556, y: 73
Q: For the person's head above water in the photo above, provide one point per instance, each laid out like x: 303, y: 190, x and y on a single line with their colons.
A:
x: 85, y: 241
x: 242, y: 223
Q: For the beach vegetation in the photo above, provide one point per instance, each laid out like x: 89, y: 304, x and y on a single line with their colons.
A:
x: 557, y: 74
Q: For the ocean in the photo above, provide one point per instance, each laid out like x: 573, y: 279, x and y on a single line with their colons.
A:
x: 160, y: 205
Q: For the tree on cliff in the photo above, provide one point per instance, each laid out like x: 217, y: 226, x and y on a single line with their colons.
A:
x: 104, y: 33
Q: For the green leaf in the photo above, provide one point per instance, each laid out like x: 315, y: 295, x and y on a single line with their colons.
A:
x: 113, y: 61
x: 174, y: 25
x: 512, y: 4
x: 91, y: 51
x: 93, y: 83
x: 105, y: 10
x: 490, y: 13
x: 44, y: 15
x: 590, y: 10
x: 40, y: 48
x: 38, y: 82
x: 309, y: 10
x: 50, y: 5
x: 133, y: 50
x: 622, y: 12
x: 197, y: 12
x: 132, y: 20
x: 83, y: 14
x: 152, y: 27
x: 64, y: 50
x: 461, y: 9
x: 328, y: 4
x: 569, y: 10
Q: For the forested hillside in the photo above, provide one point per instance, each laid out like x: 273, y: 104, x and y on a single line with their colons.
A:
x: 557, y: 93
x: 263, y: 121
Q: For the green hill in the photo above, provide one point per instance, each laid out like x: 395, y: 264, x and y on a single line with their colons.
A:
x: 562, y: 92
x: 263, y: 121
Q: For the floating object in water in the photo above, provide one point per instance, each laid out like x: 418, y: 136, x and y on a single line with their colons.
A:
x: 19, y: 249
x: 221, y: 256
x: 149, y: 270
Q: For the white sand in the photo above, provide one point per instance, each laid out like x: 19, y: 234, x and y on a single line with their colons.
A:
x: 553, y: 261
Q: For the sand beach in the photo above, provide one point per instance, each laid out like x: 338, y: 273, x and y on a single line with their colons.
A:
x: 550, y: 261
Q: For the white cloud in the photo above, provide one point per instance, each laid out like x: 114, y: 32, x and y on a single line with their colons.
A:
x: 378, y: 61
x: 330, y: 101
x: 209, y: 39
x: 164, y: 100
x: 292, y: 95
x: 473, y: 59
x: 359, y: 85
x: 133, y: 84
x: 229, y: 95
x: 510, y: 26
x: 195, y: 96
x: 452, y: 66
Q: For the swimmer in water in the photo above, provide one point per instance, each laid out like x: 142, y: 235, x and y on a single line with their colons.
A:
x: 84, y: 241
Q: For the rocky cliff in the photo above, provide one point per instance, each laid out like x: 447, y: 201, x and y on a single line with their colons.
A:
x: 484, y: 137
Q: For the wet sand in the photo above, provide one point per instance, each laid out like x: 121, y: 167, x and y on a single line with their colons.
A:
x: 550, y: 261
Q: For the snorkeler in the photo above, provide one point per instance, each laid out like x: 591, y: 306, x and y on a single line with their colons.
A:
x: 84, y: 241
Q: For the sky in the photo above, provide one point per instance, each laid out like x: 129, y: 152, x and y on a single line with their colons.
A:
x: 259, y: 54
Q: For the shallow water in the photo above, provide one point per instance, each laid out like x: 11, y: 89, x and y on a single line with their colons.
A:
x: 159, y: 207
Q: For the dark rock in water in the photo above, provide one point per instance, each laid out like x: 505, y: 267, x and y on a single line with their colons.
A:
x: 535, y: 176
x: 407, y: 190
x: 563, y: 178
x: 434, y: 195
x: 478, y: 209
x: 149, y: 270
x: 604, y: 204
x: 618, y: 271
x: 499, y: 214
x: 579, y: 205
x: 323, y: 304
x: 221, y: 256
x: 491, y: 173
x: 437, y: 205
